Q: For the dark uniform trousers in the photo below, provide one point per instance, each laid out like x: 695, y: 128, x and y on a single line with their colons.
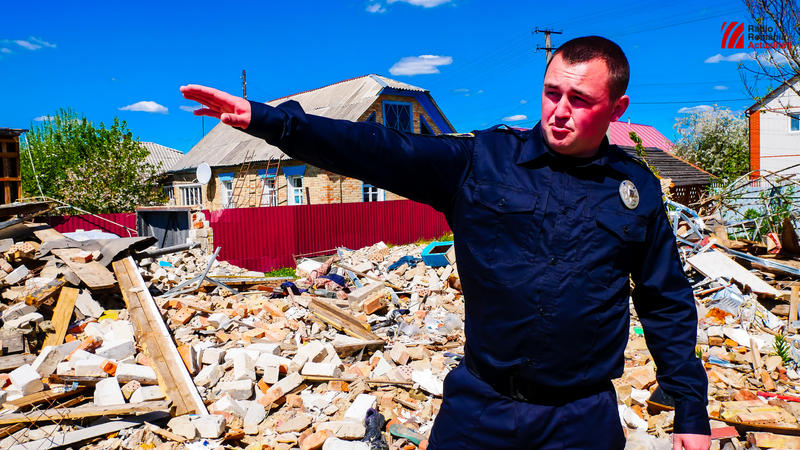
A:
x: 475, y: 416
x: 546, y: 250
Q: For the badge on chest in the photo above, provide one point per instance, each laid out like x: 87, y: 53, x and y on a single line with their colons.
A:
x: 629, y: 194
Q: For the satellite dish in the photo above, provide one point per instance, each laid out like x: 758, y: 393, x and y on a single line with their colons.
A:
x: 203, y: 173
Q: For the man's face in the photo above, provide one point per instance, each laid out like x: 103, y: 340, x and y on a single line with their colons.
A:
x: 576, y: 106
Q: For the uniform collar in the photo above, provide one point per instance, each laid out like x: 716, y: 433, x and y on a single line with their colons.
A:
x: 534, y: 148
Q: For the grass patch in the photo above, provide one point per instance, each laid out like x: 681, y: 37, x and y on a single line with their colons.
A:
x: 282, y: 272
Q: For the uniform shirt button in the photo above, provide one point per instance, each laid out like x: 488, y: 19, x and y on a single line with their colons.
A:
x: 625, y: 229
x: 552, y: 261
x: 502, y: 202
x: 541, y: 310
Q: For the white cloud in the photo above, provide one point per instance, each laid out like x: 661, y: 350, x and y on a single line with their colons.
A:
x: 43, y: 118
x: 695, y: 109
x: 423, y: 3
x: 515, y: 118
x: 42, y: 42
x: 189, y: 108
x: 480, y: 91
x: 417, y: 65
x: 720, y: 88
x: 376, y: 8
x: 736, y: 57
x: 460, y: 90
x: 523, y: 101
x: 5, y: 50
x: 28, y: 45
x: 146, y: 106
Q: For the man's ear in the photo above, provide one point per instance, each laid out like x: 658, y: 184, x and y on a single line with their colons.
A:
x: 620, y: 106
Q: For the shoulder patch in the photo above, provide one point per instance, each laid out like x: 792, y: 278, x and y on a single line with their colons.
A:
x: 461, y: 135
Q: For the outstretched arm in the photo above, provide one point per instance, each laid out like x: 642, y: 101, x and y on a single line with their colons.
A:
x: 428, y: 169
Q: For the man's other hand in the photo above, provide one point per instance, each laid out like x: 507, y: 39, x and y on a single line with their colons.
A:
x: 231, y: 110
x: 691, y: 441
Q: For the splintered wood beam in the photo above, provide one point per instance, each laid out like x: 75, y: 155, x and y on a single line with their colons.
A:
x: 11, y: 362
x: 62, y: 314
x: 341, y: 320
x: 156, y: 340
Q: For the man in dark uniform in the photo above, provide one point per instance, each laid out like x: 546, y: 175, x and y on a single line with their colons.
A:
x: 550, y: 224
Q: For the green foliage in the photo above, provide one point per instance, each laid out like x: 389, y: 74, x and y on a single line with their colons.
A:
x: 782, y: 348
x: 282, y: 272
x: 715, y: 140
x: 640, y: 151
x: 99, y: 169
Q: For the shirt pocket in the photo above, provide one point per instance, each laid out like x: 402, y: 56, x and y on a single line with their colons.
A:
x: 501, y: 228
x: 615, y: 239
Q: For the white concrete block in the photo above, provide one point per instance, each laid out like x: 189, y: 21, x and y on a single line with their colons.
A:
x: 108, y: 392
x: 24, y: 323
x: 17, y: 275
x: 253, y: 417
x: 26, y: 379
x: 211, y: 426
x: 183, y: 425
x: 226, y: 404
x: 265, y: 347
x: 321, y: 370
x: 239, y: 389
x: 358, y: 409
x: 17, y: 310
x: 136, y: 372
x: 243, y: 367
x: 146, y: 394
x: 266, y: 360
x: 213, y: 356
x: 64, y: 368
x: 313, y: 351
x: 208, y: 375
x: 47, y: 361
x: 89, y: 368
x: 117, y: 350
x: 87, y: 305
x: 271, y: 374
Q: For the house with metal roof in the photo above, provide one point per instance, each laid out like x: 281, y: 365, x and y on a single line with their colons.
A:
x: 160, y: 156
x: 248, y: 172
x: 775, y: 130
x: 688, y: 182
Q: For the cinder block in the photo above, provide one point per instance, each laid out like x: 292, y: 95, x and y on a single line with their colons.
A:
x: 239, y: 389
x: 208, y: 375
x: 321, y: 370
x: 229, y: 405
x: 213, y: 355
x: 146, y: 394
x: 243, y: 367
x: 47, y: 361
x: 271, y: 374
x: 136, y: 372
x: 89, y: 368
x: 17, y: 275
x: 265, y: 347
x: 358, y: 409
x: 183, y: 425
x: 108, y: 392
x: 362, y: 293
x: 211, y: 426
x: 313, y: 351
x: 117, y: 351
x: 26, y: 379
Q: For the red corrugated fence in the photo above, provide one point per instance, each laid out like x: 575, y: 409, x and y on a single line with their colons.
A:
x: 266, y: 238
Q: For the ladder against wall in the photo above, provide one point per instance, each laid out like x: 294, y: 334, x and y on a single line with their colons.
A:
x: 247, y: 187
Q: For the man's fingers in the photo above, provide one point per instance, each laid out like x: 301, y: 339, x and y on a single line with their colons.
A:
x: 676, y: 443
x: 214, y: 98
x: 235, y: 120
x: 207, y: 112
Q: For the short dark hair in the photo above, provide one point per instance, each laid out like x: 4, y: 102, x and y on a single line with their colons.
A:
x: 587, y: 48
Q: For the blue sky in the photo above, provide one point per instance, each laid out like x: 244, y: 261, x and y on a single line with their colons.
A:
x: 106, y: 59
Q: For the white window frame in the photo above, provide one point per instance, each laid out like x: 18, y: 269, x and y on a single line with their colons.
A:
x: 269, y: 194
x: 296, y: 194
x: 226, y: 191
x: 375, y: 193
x: 191, y: 194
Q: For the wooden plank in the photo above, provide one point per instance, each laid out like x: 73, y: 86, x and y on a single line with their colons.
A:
x: 341, y: 320
x: 11, y: 362
x: 794, y: 299
x: 42, y: 397
x: 45, y: 293
x: 94, y: 274
x: 62, y: 313
x: 81, y: 412
x: 62, y: 439
x: 44, y: 232
x: 153, y: 334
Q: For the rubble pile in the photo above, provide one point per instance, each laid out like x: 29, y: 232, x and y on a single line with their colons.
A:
x: 113, y: 344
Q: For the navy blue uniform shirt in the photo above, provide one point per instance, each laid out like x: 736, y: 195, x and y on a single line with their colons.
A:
x: 544, y: 245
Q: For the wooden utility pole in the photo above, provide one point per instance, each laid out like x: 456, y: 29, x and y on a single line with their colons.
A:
x: 244, y: 83
x: 547, y: 47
